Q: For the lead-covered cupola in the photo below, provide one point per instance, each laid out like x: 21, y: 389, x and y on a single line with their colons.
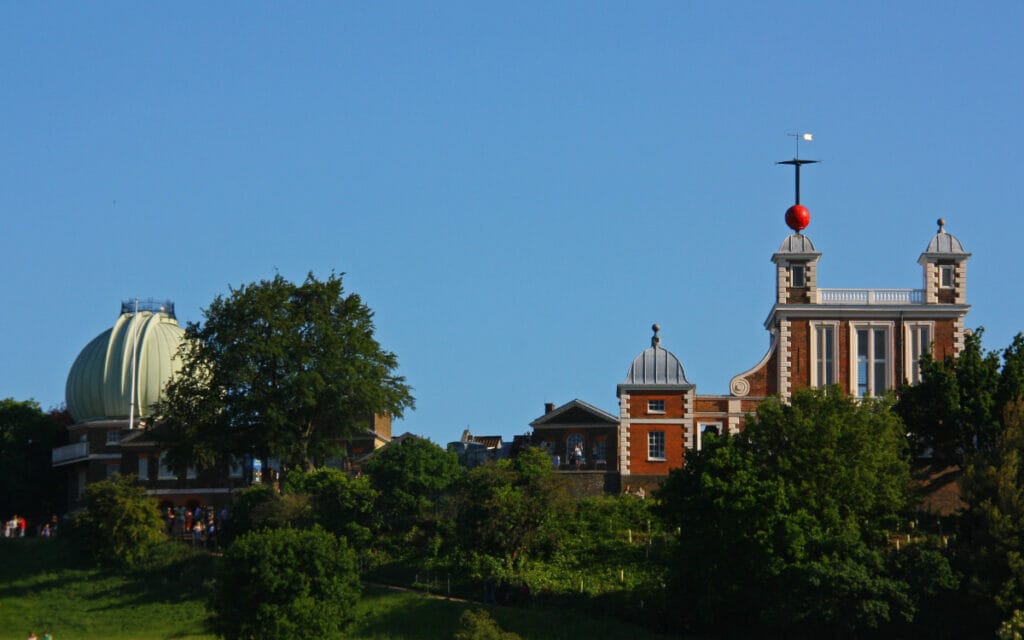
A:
x: 656, y: 365
x: 944, y: 265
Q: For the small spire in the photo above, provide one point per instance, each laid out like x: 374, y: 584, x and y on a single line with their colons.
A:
x: 656, y: 339
x: 942, y: 225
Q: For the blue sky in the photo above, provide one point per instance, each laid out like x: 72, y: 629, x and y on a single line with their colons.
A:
x: 517, y: 189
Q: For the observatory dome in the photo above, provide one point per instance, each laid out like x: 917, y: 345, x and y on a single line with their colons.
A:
x: 99, y: 384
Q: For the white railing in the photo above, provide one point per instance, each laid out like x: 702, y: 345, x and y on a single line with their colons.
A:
x: 870, y: 296
x: 78, y: 450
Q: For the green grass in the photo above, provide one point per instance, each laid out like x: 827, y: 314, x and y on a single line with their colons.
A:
x: 45, y: 587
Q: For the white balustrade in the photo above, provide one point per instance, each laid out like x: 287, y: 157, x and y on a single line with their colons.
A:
x: 871, y: 296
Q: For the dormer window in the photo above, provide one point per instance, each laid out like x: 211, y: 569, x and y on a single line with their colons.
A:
x: 945, y: 276
x: 655, y: 406
x: 799, y: 276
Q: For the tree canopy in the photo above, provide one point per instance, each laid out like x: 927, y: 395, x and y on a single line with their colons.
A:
x: 953, y: 411
x: 785, y: 526
x: 119, y: 524
x: 411, y: 475
x: 27, y: 436
x: 279, y: 370
x: 285, y: 583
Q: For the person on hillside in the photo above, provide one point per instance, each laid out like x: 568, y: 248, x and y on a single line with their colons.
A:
x: 32, y: 635
x: 21, y: 527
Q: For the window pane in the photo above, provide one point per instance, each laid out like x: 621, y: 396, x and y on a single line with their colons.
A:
x: 656, y: 445
x: 862, y: 362
x: 829, y: 348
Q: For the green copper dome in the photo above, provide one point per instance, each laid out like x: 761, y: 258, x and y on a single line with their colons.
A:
x: 100, y: 381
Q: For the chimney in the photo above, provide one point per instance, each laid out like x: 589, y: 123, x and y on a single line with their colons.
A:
x: 549, y: 407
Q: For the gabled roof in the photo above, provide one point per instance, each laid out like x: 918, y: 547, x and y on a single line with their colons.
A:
x: 576, y: 412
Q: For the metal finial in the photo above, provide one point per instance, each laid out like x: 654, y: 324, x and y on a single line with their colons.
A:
x: 655, y: 339
x: 942, y: 224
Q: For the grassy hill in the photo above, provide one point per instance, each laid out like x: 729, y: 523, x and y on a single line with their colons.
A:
x: 45, y: 587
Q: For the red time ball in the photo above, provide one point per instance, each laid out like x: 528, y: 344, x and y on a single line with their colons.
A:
x: 798, y: 217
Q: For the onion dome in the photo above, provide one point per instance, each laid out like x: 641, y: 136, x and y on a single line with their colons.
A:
x: 656, y: 365
x: 99, y: 384
x: 945, y: 243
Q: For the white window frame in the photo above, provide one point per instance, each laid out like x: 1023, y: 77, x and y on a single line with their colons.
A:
x: 911, y: 355
x: 795, y: 281
x: 114, y: 437
x: 874, y: 390
x: 652, y: 445
x: 701, y: 427
x: 164, y: 472
x: 144, y: 468
x: 652, y: 404
x: 947, y: 276
x: 817, y: 328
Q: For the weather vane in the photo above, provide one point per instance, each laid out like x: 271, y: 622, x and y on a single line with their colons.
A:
x: 797, y: 216
x: 796, y: 161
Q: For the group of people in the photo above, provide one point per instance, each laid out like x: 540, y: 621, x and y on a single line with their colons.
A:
x: 201, y: 524
x: 17, y: 526
x: 46, y: 636
x: 640, y: 492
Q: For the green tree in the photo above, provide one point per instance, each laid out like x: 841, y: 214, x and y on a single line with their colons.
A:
x: 285, y: 583
x: 340, y: 503
x: 504, y: 507
x: 279, y: 370
x: 410, y: 476
x: 992, y: 531
x: 28, y: 485
x: 784, y: 527
x: 954, y: 411
x: 120, y: 523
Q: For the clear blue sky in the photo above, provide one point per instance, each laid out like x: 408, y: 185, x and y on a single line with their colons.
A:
x: 517, y: 189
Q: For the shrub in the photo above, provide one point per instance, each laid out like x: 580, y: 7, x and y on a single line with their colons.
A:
x: 285, y: 583
x: 119, y: 523
x: 477, y: 624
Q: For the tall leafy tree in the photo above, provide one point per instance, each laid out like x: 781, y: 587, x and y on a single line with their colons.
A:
x: 281, y: 370
x: 785, y: 526
x: 411, y: 475
x: 505, y: 506
x: 28, y: 485
x: 954, y: 411
x: 992, y: 531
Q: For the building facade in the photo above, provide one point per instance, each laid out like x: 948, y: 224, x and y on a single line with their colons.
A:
x: 866, y: 341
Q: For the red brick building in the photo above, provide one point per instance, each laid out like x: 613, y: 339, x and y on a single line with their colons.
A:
x: 864, y: 340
